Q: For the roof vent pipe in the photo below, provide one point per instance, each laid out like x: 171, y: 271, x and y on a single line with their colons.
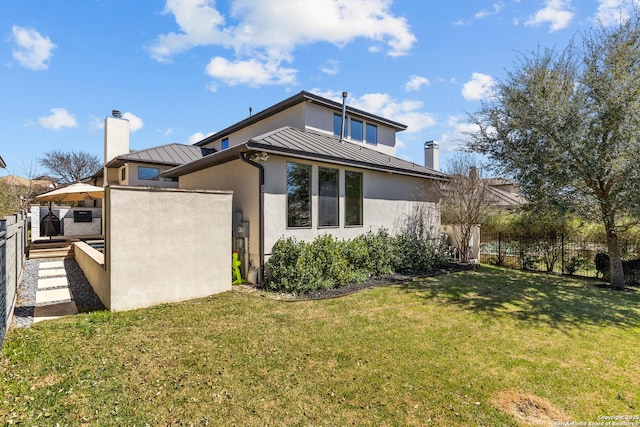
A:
x: 344, y: 116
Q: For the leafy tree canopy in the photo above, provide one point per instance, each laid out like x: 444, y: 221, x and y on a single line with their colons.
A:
x: 565, y: 125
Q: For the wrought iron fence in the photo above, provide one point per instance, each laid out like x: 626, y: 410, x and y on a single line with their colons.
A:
x: 555, y: 253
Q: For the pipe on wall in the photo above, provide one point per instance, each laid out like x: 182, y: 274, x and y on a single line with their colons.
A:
x: 245, y: 158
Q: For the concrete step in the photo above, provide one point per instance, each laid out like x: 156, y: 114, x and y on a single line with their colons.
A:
x: 51, y: 253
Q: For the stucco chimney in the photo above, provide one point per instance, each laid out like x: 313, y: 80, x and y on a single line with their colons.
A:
x: 431, y: 155
x: 116, y: 136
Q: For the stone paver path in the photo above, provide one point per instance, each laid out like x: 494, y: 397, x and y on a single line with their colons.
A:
x: 53, y: 297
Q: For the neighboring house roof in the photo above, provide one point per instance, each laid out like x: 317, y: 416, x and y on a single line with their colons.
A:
x: 296, y: 143
x: 303, y: 96
x: 170, y: 154
x: 2, y: 163
x: 18, y: 181
x: 505, y: 198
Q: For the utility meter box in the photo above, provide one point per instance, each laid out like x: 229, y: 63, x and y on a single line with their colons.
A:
x: 242, y: 229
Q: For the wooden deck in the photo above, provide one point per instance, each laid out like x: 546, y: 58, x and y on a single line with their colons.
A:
x: 57, y: 247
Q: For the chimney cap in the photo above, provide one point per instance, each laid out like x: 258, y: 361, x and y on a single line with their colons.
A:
x: 431, y: 144
x: 116, y: 114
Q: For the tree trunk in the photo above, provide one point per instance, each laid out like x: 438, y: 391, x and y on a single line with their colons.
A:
x: 616, y: 272
x: 615, y: 261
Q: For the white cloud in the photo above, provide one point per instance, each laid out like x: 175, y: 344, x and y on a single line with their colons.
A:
x: 416, y: 82
x: 58, y: 119
x: 135, y: 122
x: 331, y: 67
x: 198, y: 136
x: 497, y: 7
x: 612, y: 12
x: 479, y: 87
x: 263, y: 34
x: 456, y: 138
x: 251, y: 72
x: 556, y: 12
x: 406, y: 112
x: 33, y: 51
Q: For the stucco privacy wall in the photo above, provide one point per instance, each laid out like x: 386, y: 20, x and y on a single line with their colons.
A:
x: 390, y: 201
x: 243, y: 180
x: 166, y: 245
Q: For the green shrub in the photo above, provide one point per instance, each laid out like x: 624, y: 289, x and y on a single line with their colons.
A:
x: 371, y: 253
x: 325, y: 263
x: 415, y: 253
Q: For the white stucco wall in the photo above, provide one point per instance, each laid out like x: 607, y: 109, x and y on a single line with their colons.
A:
x: 166, y: 245
x: 389, y: 201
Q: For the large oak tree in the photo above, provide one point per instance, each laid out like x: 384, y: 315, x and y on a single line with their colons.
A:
x: 566, y: 125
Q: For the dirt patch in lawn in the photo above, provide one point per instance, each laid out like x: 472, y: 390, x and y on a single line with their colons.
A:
x: 528, y: 409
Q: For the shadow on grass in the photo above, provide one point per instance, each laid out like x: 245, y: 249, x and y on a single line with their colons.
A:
x: 536, y: 297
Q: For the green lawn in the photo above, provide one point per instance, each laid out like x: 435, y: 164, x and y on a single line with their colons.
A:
x: 443, y: 351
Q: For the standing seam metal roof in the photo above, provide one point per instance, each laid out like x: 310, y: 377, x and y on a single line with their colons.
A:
x: 292, y: 142
x: 171, y: 154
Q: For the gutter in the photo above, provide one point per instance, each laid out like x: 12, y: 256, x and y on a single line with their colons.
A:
x: 244, y: 157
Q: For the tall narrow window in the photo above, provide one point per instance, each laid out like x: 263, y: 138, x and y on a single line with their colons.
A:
x: 356, y: 130
x: 328, y: 184
x: 352, y: 198
x: 298, y: 195
x: 372, y: 134
x: 337, y: 124
x: 224, y: 144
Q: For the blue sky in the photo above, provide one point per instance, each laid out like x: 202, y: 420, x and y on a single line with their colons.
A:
x: 183, y: 69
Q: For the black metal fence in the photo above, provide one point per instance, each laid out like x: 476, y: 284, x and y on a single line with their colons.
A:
x: 555, y: 253
x: 13, y: 241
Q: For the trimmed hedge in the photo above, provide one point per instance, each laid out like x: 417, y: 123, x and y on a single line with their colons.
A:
x: 326, y: 263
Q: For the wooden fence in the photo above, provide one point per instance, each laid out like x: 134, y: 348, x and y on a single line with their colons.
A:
x: 13, y: 255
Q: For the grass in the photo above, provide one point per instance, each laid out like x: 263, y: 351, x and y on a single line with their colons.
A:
x: 472, y: 348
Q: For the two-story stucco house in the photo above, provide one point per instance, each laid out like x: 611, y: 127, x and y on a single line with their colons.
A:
x: 308, y: 166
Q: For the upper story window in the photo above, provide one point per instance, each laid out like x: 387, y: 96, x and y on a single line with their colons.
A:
x: 148, y: 174
x: 337, y: 124
x: 225, y: 144
x: 356, y: 130
x: 372, y: 134
x: 298, y: 195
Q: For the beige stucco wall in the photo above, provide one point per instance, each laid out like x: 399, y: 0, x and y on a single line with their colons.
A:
x: 243, y: 180
x: 294, y: 117
x: 91, y: 261
x: 166, y: 245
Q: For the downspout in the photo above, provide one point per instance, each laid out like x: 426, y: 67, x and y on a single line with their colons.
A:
x: 245, y: 158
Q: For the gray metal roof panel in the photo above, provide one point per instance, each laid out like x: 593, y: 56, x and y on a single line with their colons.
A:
x: 295, y: 142
x: 171, y: 154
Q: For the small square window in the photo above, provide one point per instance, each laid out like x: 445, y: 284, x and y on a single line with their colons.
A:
x: 225, y: 144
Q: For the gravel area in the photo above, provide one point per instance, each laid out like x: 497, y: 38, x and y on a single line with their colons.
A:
x: 82, y: 292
